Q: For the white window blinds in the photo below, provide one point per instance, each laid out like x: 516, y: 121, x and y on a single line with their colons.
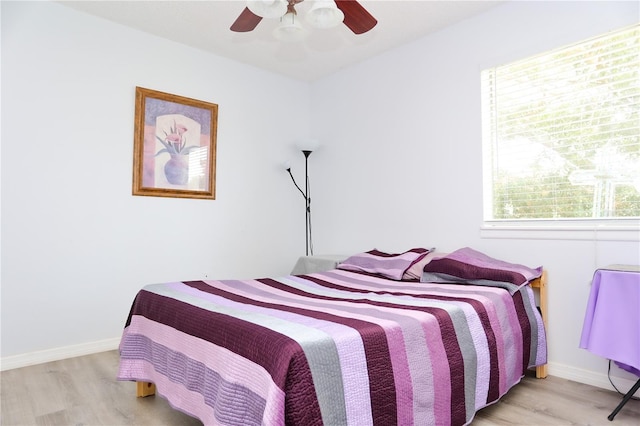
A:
x: 561, y: 132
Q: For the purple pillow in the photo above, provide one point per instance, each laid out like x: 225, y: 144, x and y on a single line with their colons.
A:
x: 468, y: 266
x: 388, y: 265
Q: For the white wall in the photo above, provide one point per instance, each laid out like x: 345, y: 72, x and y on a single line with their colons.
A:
x: 76, y: 245
x: 399, y: 166
x: 401, y: 162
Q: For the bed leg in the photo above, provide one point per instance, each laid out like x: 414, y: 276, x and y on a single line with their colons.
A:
x: 541, y: 371
x: 145, y: 389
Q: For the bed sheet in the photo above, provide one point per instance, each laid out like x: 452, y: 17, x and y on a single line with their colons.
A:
x: 333, y: 348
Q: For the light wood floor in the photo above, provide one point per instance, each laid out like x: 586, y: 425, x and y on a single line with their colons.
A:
x: 83, y: 391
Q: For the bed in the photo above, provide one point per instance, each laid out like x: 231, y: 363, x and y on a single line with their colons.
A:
x: 413, y: 338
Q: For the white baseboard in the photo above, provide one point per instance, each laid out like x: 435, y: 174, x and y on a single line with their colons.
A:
x: 588, y: 377
x: 56, y: 354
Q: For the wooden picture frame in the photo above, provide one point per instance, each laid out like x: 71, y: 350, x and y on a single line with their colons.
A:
x: 174, y: 146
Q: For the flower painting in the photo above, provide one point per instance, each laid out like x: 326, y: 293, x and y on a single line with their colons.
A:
x: 175, y: 154
x: 174, y: 146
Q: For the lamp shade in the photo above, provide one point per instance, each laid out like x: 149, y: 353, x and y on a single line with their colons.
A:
x: 290, y: 28
x: 268, y: 8
x: 324, y: 14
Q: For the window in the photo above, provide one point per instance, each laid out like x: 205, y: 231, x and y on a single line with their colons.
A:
x: 561, y: 133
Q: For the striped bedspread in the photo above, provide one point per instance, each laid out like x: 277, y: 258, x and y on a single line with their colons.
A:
x: 332, y: 348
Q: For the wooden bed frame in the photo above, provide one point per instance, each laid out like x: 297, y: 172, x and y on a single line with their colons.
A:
x: 541, y: 285
x: 147, y: 389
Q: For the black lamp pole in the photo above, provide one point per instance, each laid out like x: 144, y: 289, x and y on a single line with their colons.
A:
x: 306, y: 197
x: 307, y: 200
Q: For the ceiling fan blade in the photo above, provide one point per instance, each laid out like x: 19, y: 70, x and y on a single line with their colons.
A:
x: 356, y: 17
x: 247, y: 21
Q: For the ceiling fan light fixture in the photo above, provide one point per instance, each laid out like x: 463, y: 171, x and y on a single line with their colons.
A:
x: 324, y: 14
x: 268, y: 8
x: 290, y: 28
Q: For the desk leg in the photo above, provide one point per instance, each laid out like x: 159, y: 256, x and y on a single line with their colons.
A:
x: 626, y: 398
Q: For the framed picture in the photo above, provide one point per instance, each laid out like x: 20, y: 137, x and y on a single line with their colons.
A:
x: 174, y: 146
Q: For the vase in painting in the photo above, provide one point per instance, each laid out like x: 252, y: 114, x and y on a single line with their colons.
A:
x: 176, y: 169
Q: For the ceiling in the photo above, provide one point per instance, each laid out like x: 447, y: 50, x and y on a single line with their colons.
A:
x: 205, y: 25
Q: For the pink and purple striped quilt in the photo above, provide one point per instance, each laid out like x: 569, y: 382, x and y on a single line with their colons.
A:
x: 332, y: 348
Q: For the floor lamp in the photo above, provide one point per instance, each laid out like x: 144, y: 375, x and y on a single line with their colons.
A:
x: 306, y: 150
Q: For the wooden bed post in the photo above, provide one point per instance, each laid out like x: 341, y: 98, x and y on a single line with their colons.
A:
x: 145, y: 389
x: 541, y: 285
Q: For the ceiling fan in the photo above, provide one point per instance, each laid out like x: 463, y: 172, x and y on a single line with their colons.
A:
x: 323, y: 14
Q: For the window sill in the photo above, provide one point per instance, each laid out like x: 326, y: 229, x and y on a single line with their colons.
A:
x: 561, y: 230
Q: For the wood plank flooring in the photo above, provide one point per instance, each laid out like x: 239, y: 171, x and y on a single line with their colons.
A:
x: 83, y: 391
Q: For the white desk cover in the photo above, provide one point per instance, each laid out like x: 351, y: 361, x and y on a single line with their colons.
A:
x: 318, y: 263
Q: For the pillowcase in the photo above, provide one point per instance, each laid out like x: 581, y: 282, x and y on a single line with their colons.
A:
x: 388, y: 265
x: 468, y: 266
x: 414, y: 272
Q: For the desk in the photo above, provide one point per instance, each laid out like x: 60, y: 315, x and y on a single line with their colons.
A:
x: 611, y: 326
